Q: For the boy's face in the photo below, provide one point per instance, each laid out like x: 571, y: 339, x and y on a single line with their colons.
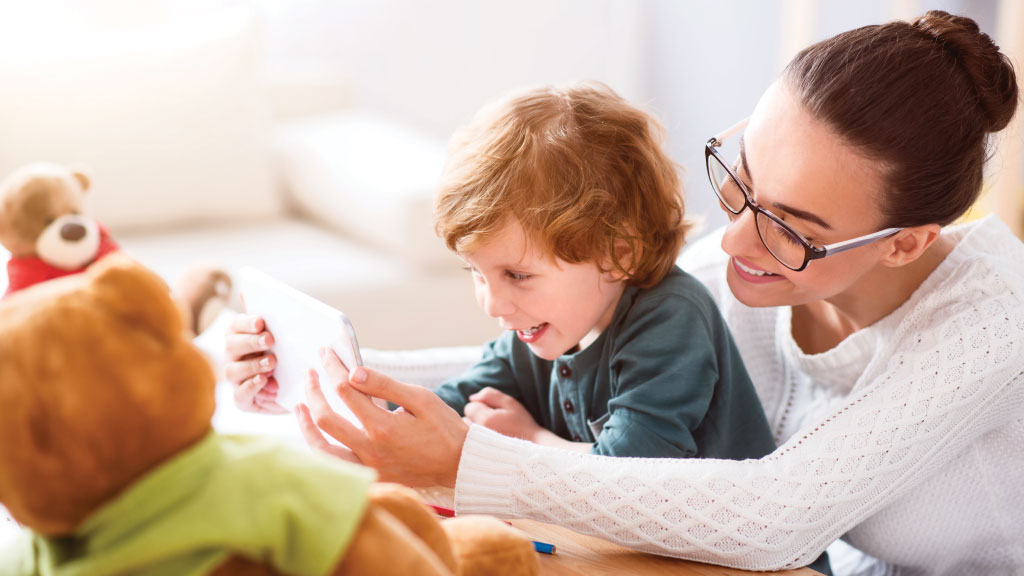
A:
x: 551, y: 304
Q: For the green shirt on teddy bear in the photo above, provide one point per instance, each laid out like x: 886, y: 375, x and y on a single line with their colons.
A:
x: 225, y: 496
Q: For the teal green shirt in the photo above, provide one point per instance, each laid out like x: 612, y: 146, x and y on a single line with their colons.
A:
x: 663, y: 380
x: 226, y: 495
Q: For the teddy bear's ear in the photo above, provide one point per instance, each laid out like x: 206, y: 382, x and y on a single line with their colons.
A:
x: 137, y: 295
x: 82, y: 179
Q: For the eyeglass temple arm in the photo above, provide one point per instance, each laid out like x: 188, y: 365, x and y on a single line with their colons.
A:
x: 717, y: 139
x: 856, y: 242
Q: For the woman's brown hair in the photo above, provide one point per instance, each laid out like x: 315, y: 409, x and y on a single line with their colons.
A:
x: 920, y: 98
x: 582, y: 170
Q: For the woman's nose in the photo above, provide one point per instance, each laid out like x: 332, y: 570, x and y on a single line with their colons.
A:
x: 740, y: 237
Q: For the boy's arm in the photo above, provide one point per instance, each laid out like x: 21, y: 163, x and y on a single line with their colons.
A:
x: 493, y: 370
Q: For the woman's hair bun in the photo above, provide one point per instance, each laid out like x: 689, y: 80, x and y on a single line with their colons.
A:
x: 989, y: 70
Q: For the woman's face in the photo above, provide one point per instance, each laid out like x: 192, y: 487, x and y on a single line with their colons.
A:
x: 801, y: 171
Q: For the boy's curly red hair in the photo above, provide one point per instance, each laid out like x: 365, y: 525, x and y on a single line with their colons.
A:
x: 580, y: 168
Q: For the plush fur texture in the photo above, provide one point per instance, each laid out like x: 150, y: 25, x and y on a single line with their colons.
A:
x: 100, y: 385
x: 80, y: 422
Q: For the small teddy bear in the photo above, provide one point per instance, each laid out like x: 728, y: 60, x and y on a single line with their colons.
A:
x: 43, y: 226
x: 108, y: 459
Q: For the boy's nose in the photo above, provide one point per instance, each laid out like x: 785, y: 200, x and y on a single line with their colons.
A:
x: 493, y: 303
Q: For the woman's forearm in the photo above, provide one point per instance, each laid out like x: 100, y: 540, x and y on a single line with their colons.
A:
x: 780, y: 511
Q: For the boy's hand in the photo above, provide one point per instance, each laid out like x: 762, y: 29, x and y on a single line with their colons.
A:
x: 250, y: 367
x: 502, y: 413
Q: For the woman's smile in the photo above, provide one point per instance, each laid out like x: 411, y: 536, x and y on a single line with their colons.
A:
x: 747, y: 271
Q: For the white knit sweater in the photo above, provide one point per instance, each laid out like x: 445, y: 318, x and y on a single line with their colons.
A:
x: 907, y: 437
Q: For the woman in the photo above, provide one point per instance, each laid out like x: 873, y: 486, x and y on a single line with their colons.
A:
x: 888, y: 350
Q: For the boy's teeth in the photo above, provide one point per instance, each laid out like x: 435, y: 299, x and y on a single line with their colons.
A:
x: 752, y: 271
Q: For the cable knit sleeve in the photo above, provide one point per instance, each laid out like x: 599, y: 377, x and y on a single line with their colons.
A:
x: 950, y: 371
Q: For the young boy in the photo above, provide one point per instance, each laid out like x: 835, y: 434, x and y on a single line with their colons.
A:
x: 569, y: 216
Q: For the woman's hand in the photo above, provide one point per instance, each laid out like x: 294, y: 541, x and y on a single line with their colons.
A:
x: 418, y: 444
x: 502, y: 413
x: 250, y: 367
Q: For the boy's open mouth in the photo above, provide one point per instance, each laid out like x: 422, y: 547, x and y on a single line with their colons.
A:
x: 532, y: 334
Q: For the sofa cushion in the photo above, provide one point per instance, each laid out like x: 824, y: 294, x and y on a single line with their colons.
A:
x: 368, y: 177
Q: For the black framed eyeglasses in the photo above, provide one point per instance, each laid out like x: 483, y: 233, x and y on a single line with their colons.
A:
x: 786, y: 245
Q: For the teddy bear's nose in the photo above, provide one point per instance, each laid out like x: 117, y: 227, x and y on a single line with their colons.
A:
x: 72, y: 232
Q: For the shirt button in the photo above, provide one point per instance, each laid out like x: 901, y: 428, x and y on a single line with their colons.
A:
x: 568, y: 406
x: 576, y: 438
x: 565, y: 371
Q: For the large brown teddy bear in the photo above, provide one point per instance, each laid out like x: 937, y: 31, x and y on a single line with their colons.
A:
x: 44, y: 227
x: 107, y: 457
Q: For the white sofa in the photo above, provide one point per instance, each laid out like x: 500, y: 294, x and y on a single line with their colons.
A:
x: 195, y: 158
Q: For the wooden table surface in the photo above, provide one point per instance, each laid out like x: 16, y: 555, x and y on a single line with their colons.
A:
x: 581, y: 555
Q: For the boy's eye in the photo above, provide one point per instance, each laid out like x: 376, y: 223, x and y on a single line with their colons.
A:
x: 516, y: 276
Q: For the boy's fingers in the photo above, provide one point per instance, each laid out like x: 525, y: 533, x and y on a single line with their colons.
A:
x: 475, y: 411
x: 270, y: 406
x: 247, y: 324
x: 242, y: 344
x: 315, y: 439
x: 245, y: 393
x: 492, y: 397
x: 328, y: 420
x: 242, y: 370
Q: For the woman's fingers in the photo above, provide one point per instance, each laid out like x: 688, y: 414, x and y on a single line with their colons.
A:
x: 316, y: 440
x: 333, y: 366
x: 326, y: 419
x: 360, y: 404
x: 418, y: 444
x: 414, y: 399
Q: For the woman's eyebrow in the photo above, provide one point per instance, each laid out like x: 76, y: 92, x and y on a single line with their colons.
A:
x: 743, y: 160
x: 796, y: 212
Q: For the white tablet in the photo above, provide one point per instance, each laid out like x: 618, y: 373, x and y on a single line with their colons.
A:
x: 301, y: 325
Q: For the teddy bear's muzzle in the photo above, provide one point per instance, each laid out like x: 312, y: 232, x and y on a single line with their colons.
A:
x: 69, y: 242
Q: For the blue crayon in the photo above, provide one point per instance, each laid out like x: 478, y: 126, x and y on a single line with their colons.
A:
x: 543, y: 547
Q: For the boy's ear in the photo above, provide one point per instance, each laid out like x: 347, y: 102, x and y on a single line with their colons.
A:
x: 909, y: 244
x: 625, y: 254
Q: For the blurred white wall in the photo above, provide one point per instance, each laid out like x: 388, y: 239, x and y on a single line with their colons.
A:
x: 435, y: 63
x: 698, y: 65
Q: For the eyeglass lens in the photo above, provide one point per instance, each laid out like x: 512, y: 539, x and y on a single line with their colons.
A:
x: 782, y: 243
